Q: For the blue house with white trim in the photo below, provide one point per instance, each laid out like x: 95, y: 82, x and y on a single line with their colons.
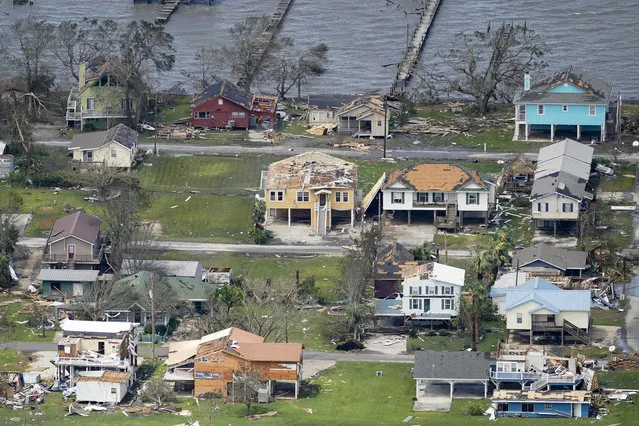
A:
x: 567, y: 104
x: 509, y: 403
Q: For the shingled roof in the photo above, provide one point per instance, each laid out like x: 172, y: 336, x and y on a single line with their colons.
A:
x: 121, y: 134
x: 391, y: 260
x: 78, y: 224
x: 561, y: 183
x: 558, y: 257
x: 435, y: 177
x: 595, y: 91
x: 227, y: 90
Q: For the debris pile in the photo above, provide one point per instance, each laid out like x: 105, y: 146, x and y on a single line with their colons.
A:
x: 28, y: 395
x: 625, y: 362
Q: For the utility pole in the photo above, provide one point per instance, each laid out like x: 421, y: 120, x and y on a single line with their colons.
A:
x: 385, y: 122
x: 152, y: 296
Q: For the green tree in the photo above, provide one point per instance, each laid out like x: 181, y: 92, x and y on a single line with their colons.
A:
x: 228, y: 296
x: 474, y: 307
x: 426, y: 251
x: 258, y: 214
x: 6, y: 281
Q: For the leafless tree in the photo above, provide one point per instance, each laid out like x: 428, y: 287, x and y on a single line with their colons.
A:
x: 489, y: 64
x: 158, y: 392
x: 207, y: 68
x: 90, y: 41
x: 299, y: 68
x: 245, y: 56
x: 246, y: 384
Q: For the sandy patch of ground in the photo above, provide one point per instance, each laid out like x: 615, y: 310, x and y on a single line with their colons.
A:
x: 409, y: 235
x: 614, y: 196
x: 542, y: 237
x: 386, y: 344
x: 604, y: 335
x: 299, y: 233
x: 29, y: 268
x: 315, y: 366
x: 20, y: 221
x: 155, y: 228
x: 43, y: 365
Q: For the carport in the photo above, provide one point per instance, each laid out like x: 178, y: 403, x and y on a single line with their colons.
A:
x: 435, y: 367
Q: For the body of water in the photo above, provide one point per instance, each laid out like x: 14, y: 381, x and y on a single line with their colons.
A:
x: 364, y: 35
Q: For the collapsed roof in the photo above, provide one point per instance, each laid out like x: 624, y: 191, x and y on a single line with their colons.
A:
x: 311, y: 170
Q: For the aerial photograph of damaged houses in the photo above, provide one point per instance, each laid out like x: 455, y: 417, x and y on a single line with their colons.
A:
x: 337, y: 212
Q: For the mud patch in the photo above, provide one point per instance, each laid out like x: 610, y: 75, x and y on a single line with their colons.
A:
x: 46, y: 208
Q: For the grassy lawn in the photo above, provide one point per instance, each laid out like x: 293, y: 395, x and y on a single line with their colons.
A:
x: 619, y: 379
x: 11, y: 360
x: 21, y: 332
x: 325, y: 269
x: 219, y: 218
x: 453, y: 342
x: 459, y: 241
x: 211, y: 137
x: 623, y: 180
x: 619, y: 232
x: 217, y: 175
x: 608, y: 317
x: 181, y: 109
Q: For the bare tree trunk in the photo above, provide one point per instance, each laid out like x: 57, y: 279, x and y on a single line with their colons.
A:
x: 153, y: 320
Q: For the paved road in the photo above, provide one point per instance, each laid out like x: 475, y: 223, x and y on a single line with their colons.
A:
x: 35, y: 243
x: 183, y: 148
x: 163, y: 351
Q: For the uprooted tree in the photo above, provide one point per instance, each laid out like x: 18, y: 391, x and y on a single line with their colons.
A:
x: 490, y: 64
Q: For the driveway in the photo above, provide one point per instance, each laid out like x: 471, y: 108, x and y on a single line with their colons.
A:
x: 632, y: 323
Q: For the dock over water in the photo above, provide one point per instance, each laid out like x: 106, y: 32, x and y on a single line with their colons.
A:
x: 168, y: 8
x: 408, y: 65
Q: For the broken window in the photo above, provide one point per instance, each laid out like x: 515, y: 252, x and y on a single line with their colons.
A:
x: 397, y: 198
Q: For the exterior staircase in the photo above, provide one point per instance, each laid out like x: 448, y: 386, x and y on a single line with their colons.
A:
x: 537, y: 384
x: 576, y: 332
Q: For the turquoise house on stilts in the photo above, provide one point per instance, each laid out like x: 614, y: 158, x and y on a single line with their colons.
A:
x: 568, y: 104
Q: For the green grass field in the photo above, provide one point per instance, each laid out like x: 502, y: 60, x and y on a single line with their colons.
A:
x: 610, y: 317
x: 325, y: 269
x: 623, y: 180
x: 14, y: 331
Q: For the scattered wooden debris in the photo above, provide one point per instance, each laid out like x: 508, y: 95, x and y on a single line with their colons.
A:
x: 625, y: 362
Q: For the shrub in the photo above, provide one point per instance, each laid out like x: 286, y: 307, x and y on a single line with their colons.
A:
x: 307, y: 286
x: 414, y: 345
x: 431, y: 333
x: 475, y: 410
x: 262, y: 236
x: 444, y: 332
x: 349, y: 345
x: 412, y: 332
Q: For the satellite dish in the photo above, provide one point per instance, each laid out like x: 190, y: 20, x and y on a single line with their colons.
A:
x: 612, y: 348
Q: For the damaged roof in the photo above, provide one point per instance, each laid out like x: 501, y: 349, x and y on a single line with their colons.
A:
x: 329, y: 101
x: 103, y: 376
x: 435, y: 177
x: 595, y: 91
x: 561, y: 183
x: 278, y: 352
x: 311, y: 170
x: 237, y: 95
x: 558, y: 257
x: 78, y: 224
x: 391, y: 260
x: 121, y: 134
x: 185, y: 288
x: 554, y: 396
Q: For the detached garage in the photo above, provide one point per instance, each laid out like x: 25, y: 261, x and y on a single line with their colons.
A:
x: 108, y: 387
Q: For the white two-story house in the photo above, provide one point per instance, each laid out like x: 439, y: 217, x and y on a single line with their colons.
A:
x: 444, y: 194
x: 432, y: 291
x: 559, y: 191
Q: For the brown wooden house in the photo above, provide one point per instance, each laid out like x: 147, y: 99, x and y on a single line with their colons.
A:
x: 389, y: 265
x: 210, y: 364
x: 225, y: 105
x: 517, y: 176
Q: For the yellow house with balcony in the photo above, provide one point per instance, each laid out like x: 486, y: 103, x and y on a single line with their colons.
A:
x: 313, y: 188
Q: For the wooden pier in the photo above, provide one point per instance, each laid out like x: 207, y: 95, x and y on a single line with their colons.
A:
x: 168, y: 7
x: 407, y: 67
x: 272, y: 27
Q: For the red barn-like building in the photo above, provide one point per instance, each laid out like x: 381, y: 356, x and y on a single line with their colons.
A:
x: 224, y: 105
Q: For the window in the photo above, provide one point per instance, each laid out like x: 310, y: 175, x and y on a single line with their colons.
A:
x: 564, y: 108
x: 415, y: 303
x: 448, y: 304
x: 344, y: 197
x: 546, y: 206
x: 114, y: 153
x: 280, y: 196
x: 220, y: 102
x: 379, y: 123
x: 547, y: 407
x: 527, y: 407
x: 472, y: 198
x: 397, y: 197
x: 114, y: 390
x: 567, y: 207
x: 447, y: 289
x: 592, y: 110
x: 204, y: 375
x: 89, y: 155
x: 272, y: 196
x: 338, y: 197
x: 538, y: 207
x: 438, y: 197
x: 71, y: 251
x: 201, y: 359
x: 67, y: 349
x: 520, y: 318
x: 236, y: 114
x: 276, y: 196
x: 502, y: 407
x: 302, y: 197
x: 91, y: 104
x: 203, y: 115
x: 422, y: 197
x: 540, y: 109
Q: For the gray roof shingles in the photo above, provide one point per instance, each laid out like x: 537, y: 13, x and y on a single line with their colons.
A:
x: 121, y: 134
x: 228, y: 91
x: 556, y: 256
x: 596, y: 91
x: 452, y: 365
x: 561, y: 183
x: 77, y: 224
